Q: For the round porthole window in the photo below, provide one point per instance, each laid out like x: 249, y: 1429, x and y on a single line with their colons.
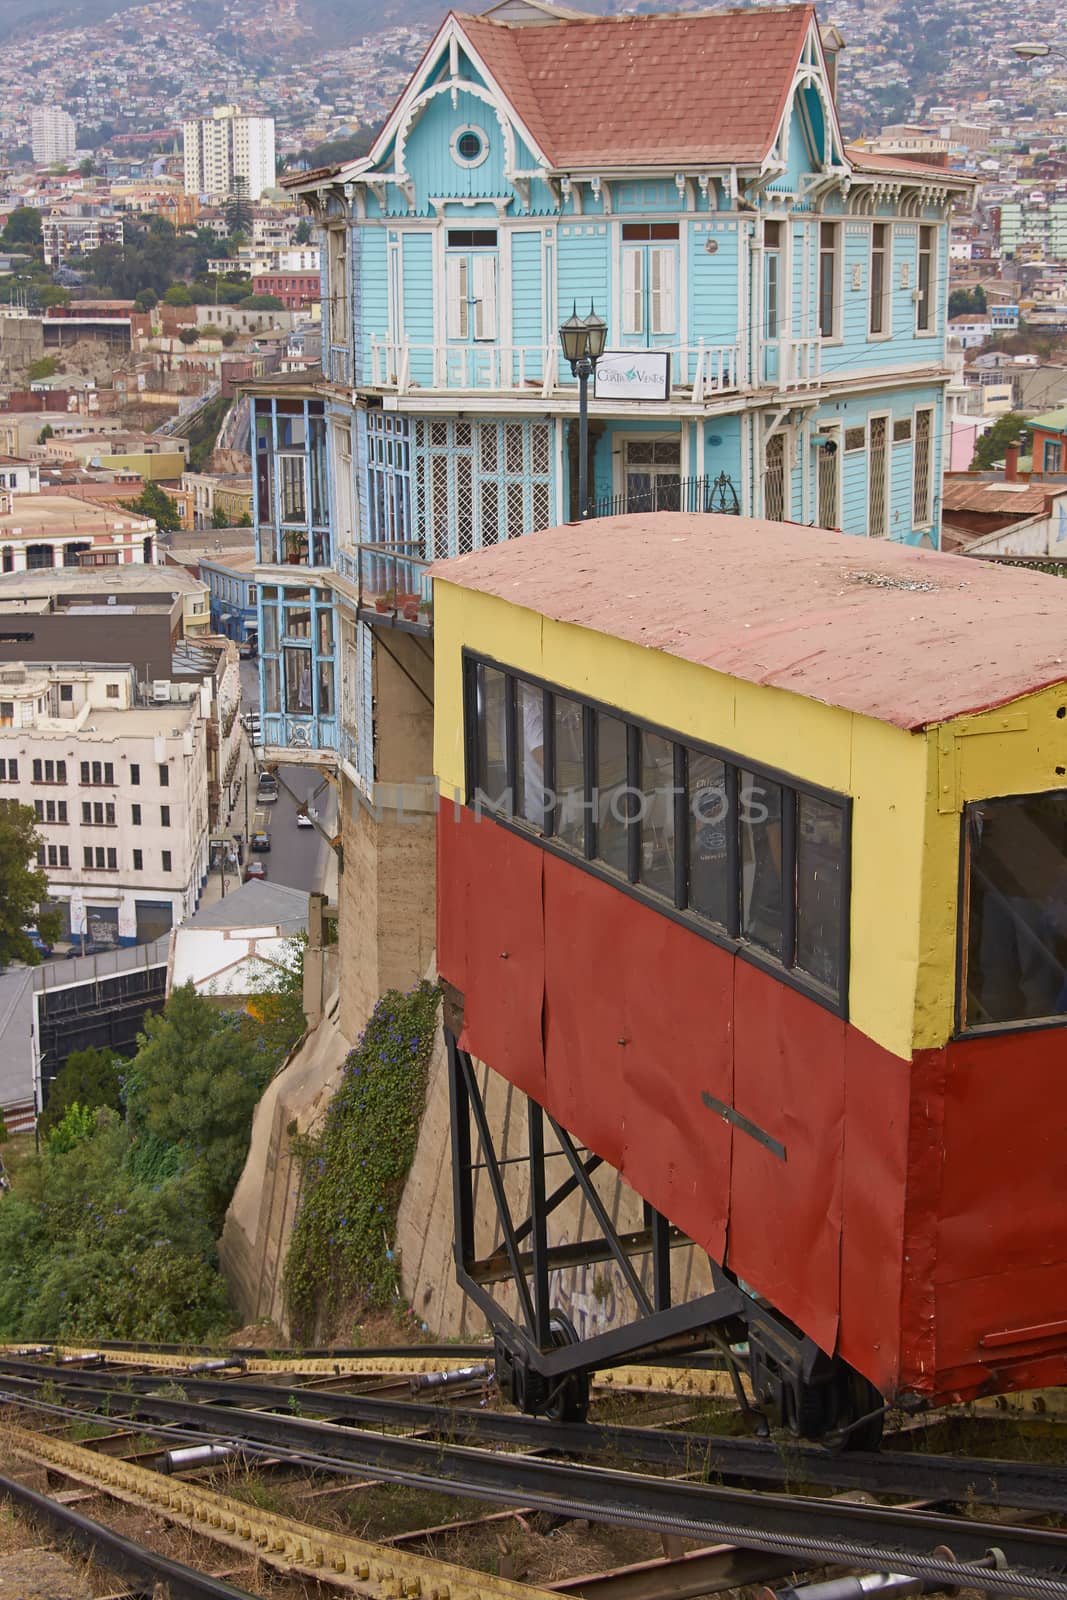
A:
x: 469, y: 147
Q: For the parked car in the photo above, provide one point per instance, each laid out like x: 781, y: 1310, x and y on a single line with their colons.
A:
x: 260, y: 841
x: 255, y: 869
x: 43, y: 950
x: 266, y: 788
x: 90, y: 948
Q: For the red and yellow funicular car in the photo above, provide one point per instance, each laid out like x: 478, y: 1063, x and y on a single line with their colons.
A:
x: 753, y: 878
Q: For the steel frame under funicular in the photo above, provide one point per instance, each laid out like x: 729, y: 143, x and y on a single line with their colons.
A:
x: 543, y: 1365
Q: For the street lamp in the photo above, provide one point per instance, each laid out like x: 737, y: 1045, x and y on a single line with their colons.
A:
x: 1031, y: 50
x: 583, y: 340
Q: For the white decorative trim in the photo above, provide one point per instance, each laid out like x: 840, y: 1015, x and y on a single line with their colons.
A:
x: 483, y: 145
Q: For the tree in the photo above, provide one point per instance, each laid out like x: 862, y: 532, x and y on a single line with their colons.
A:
x: 238, y: 208
x: 194, y: 1084
x: 87, y: 167
x: 303, y: 231
x: 229, y: 338
x: 177, y: 295
x: 967, y: 302
x: 23, y: 227
x: 220, y: 518
x: 23, y: 888
x: 146, y: 300
x: 990, y: 448
x: 155, y: 502
x: 189, y: 335
x: 260, y: 302
x: 90, y: 1078
x: 51, y: 294
x: 46, y: 433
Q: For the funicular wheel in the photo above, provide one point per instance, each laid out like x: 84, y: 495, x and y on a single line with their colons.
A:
x: 569, y: 1398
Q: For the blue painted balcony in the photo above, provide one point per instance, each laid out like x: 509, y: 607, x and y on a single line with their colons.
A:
x: 391, y: 582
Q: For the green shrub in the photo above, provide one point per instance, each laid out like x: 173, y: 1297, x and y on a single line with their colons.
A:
x: 90, y: 1077
x: 342, y: 1249
x: 77, y: 1123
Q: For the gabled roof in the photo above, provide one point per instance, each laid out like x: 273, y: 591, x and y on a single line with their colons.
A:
x: 648, y: 89
x: 908, y: 637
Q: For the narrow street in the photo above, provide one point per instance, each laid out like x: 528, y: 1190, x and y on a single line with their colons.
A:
x: 298, y: 857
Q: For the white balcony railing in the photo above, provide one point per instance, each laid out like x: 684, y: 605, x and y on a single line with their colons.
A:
x: 698, y: 371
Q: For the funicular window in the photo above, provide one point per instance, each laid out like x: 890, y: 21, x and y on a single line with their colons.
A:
x: 746, y: 857
x: 1015, y: 910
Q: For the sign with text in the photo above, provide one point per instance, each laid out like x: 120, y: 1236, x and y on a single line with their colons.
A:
x: 633, y: 375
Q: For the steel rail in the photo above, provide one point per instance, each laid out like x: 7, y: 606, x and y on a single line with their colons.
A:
x: 132, y: 1562
x: 688, y: 1378
x: 700, y: 1359
x: 1020, y: 1485
x: 835, y: 1532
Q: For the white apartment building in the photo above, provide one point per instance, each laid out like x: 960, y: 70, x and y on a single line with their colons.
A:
x: 53, y: 136
x: 62, y: 236
x: 226, y: 147
x: 120, y: 790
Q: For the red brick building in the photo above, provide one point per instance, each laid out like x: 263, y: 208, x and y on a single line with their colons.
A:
x: 295, y: 290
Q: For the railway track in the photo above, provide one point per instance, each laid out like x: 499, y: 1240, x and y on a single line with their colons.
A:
x: 797, y: 1529
x: 1015, y: 1485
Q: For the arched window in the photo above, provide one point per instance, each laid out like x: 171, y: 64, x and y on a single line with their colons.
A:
x: 40, y: 555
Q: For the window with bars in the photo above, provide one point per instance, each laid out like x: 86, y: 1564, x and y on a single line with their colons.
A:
x: 746, y: 857
x: 389, y: 477
x: 774, y: 478
x: 477, y: 483
x: 877, y: 479
x: 922, y: 509
x: 828, y: 482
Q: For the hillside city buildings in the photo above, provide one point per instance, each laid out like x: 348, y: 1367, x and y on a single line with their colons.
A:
x: 228, y: 153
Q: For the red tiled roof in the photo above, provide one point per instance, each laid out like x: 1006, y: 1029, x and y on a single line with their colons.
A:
x: 903, y: 166
x: 706, y: 86
x: 909, y: 637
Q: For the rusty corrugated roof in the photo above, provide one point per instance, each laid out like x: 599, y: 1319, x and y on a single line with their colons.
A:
x: 993, y: 497
x: 910, y: 637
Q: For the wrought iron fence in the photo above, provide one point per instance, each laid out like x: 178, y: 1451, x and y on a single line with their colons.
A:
x: 673, y: 494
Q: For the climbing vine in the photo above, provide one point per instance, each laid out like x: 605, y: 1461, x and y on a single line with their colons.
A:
x: 342, y: 1250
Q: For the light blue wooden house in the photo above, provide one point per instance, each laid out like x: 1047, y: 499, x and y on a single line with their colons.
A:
x: 775, y: 302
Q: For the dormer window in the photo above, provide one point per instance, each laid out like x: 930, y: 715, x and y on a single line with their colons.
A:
x: 469, y: 147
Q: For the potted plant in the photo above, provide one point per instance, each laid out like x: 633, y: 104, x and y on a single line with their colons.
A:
x: 408, y: 605
x: 295, y: 546
x: 386, y: 602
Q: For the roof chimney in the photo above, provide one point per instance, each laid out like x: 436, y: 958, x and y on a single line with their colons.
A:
x: 1011, y: 464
